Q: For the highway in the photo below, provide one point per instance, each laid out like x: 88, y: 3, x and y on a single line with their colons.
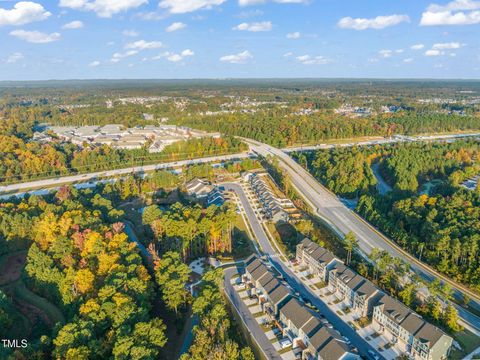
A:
x: 304, y: 291
x: 13, y: 188
x: 343, y: 220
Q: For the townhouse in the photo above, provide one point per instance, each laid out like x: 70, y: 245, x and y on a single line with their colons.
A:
x: 357, y: 292
x: 296, y: 322
x: 272, y: 206
x: 418, y: 338
x: 326, y: 344
x: 318, y: 260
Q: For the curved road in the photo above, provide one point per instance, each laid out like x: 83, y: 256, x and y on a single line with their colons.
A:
x: 344, y: 220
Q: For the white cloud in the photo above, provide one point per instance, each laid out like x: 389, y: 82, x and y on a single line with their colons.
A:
x: 94, y: 63
x: 386, y: 53
x: 432, y: 52
x: 175, y: 26
x: 313, y: 60
x: 14, y: 57
x: 293, y: 35
x: 77, y: 24
x: 36, y: 37
x: 118, y: 56
x: 22, y: 13
x: 408, y: 60
x: 173, y: 57
x: 240, y: 58
x: 258, y: 2
x: 254, y: 27
x: 186, y: 6
x: 130, y: 33
x: 103, y: 8
x: 144, y: 45
x: 447, y: 46
x: 417, y: 47
x: 288, y: 54
x: 380, y: 22
x: 457, y: 12
x: 181, y: 56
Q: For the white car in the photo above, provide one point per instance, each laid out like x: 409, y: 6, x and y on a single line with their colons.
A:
x: 285, y: 342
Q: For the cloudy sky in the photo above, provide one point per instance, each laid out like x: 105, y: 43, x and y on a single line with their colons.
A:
x: 81, y: 39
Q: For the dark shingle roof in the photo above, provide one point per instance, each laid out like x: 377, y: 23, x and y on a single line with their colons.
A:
x: 296, y: 313
x: 259, y: 272
x: 367, y: 288
x: 328, y: 344
x: 253, y: 265
x: 278, y: 294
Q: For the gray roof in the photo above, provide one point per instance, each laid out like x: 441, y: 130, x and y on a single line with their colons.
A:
x: 367, y: 288
x: 296, y: 313
x: 317, y: 252
x: 259, y: 272
x: 311, y: 326
x: 271, y: 285
x: 429, y: 334
x: 410, y: 321
x: 393, y: 309
x: 277, y: 295
x: 264, y: 279
x: 328, y: 344
x: 253, y: 265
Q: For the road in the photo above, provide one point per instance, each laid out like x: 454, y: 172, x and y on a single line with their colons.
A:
x: 383, y: 141
x: 13, y: 188
x: 343, y: 220
x: 345, y: 329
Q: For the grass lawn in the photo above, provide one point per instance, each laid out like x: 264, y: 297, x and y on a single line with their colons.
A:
x: 258, y: 314
x: 283, y: 351
x: 468, y: 341
x: 23, y: 293
x: 242, y: 245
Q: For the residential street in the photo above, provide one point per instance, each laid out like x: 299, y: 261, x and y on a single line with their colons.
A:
x: 265, y: 344
x: 345, y: 329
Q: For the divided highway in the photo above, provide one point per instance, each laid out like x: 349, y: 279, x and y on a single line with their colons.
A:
x: 13, y: 188
x: 344, y: 220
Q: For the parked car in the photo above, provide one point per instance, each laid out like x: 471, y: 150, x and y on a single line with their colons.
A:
x: 285, y: 342
x: 373, y: 355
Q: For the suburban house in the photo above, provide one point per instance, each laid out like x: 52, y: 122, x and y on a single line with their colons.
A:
x: 318, y: 260
x: 420, y: 339
x: 198, y: 187
x: 298, y: 323
x: 326, y: 344
x: 357, y: 292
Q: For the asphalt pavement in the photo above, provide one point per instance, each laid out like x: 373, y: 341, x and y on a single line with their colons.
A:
x: 304, y: 291
x: 344, y: 220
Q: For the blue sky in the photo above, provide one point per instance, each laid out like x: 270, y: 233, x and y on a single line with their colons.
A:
x: 83, y: 39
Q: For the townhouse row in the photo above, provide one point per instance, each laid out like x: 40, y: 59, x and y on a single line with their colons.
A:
x: 275, y: 208
x: 409, y: 331
x: 295, y: 321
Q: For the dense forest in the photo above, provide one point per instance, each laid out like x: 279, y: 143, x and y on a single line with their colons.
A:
x: 427, y: 212
x: 97, y: 296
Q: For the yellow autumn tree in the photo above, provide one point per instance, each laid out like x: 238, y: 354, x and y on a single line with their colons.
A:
x: 84, y: 280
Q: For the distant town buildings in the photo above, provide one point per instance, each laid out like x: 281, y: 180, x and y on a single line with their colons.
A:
x: 119, y: 137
